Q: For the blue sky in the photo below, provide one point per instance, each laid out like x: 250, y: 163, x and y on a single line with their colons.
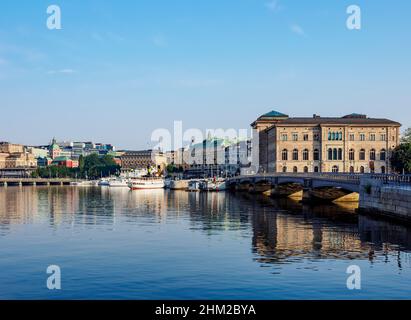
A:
x: 120, y: 69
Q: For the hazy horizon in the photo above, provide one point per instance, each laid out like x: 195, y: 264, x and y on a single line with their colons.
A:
x: 116, y: 72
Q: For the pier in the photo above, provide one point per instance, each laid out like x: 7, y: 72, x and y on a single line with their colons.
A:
x: 9, y: 182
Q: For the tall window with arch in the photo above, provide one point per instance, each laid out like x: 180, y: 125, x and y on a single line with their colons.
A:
x: 383, y: 155
x: 362, y: 154
x: 295, y: 169
x: 372, y: 155
x: 295, y: 154
x: 306, y: 155
x: 351, y: 155
x: 284, y: 155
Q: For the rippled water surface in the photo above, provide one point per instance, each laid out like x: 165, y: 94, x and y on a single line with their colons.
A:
x: 116, y: 244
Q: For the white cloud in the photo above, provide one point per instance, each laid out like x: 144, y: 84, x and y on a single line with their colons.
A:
x: 273, y: 5
x: 297, y: 30
x: 62, y: 71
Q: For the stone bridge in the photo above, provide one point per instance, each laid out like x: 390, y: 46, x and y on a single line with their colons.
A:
x: 314, y: 186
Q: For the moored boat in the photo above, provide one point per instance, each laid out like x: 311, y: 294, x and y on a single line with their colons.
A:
x: 146, y: 183
x: 179, y: 184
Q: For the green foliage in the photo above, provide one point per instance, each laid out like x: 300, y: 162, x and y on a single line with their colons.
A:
x: 401, y: 158
x: 90, y: 167
x: 406, y: 138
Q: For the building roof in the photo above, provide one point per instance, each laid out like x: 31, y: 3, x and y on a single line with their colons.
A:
x: 274, y: 114
x: 339, y: 121
x: 60, y: 159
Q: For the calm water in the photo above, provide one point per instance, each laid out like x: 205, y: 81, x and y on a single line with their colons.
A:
x: 116, y: 244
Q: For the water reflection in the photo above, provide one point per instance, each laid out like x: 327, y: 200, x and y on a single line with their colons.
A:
x: 281, y: 231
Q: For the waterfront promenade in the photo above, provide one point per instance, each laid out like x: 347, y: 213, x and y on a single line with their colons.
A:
x: 4, y: 182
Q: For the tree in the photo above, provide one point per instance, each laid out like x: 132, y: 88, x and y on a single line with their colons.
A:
x: 401, y: 158
x: 406, y: 138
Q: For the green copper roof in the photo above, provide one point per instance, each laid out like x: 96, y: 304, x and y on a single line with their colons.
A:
x: 274, y: 114
x: 59, y: 159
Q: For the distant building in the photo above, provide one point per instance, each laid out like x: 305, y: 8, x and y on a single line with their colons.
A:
x: 15, y: 156
x: 138, y: 160
x: 350, y: 144
x: 54, y: 150
x: 65, y: 162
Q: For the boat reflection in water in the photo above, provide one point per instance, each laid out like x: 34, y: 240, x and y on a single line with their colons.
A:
x: 177, y: 244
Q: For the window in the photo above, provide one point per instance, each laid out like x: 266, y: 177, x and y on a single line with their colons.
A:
x: 316, y: 137
x: 362, y: 169
x: 306, y: 155
x: 284, y: 137
x: 340, y: 154
x: 305, y: 169
x: 316, y: 169
x: 305, y: 137
x: 362, y: 137
x: 352, y: 155
x: 362, y: 155
x: 284, y: 169
x: 284, y: 155
x: 335, y: 154
x: 295, y: 155
x: 372, y: 155
x: 295, y: 169
x: 383, y: 137
x: 351, y: 169
x: 316, y: 155
x: 352, y: 137
x: 383, y: 170
x: 383, y: 155
x: 372, y: 137
x: 295, y: 136
x: 335, y: 169
x: 330, y: 154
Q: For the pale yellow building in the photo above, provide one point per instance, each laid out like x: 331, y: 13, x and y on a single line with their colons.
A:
x: 138, y: 160
x: 15, y: 156
x: 350, y: 144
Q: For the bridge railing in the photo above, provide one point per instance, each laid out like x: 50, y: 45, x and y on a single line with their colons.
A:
x: 352, y: 177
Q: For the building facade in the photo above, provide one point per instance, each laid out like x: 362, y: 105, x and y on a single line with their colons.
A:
x: 15, y: 156
x: 140, y: 160
x: 350, y: 144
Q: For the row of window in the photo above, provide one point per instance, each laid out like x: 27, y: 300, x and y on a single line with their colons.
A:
x: 335, y: 154
x: 335, y: 169
x: 337, y: 136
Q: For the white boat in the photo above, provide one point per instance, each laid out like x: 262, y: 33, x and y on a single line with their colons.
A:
x: 104, y: 182
x: 213, y: 185
x: 146, y: 183
x: 83, y: 183
x: 118, y: 183
x: 193, y: 186
x: 179, y: 184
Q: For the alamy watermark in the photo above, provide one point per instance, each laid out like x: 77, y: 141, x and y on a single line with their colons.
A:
x: 354, y: 280
x: 54, y: 280
x: 54, y: 19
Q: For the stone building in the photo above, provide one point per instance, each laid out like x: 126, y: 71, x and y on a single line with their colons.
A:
x: 350, y: 144
x: 139, y: 160
x: 15, y: 156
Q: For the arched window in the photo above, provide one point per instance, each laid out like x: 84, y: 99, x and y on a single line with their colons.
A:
x: 383, y: 170
x: 306, y: 156
x: 340, y: 154
x: 341, y: 136
x: 352, y: 155
x: 362, y: 169
x: 333, y: 136
x: 352, y: 169
x: 335, y: 169
x: 335, y: 154
x: 284, y: 169
x: 383, y: 155
x: 305, y: 169
x: 295, y: 155
x: 316, y: 169
x: 295, y: 169
x: 316, y: 155
x: 362, y: 155
x: 372, y: 155
x: 285, y: 155
x: 330, y: 154
x: 329, y: 135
